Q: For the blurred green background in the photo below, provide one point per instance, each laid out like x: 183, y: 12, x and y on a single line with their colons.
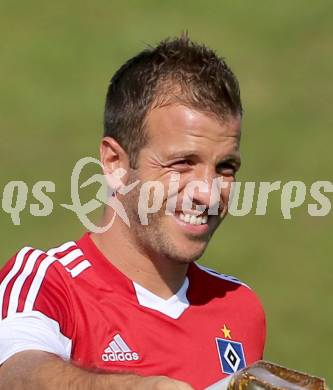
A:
x: 56, y: 61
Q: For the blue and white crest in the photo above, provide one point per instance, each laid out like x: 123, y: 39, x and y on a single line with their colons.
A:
x: 231, y: 355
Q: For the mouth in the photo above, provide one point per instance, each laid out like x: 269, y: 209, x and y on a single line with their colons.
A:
x: 193, y: 224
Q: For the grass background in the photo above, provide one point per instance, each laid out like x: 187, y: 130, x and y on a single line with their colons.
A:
x: 56, y: 61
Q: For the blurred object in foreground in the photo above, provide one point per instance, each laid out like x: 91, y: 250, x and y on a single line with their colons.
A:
x: 264, y: 375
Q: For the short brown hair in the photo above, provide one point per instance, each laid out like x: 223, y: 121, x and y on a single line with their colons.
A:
x: 176, y: 69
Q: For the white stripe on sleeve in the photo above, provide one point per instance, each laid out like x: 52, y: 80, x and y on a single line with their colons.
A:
x: 61, y: 248
x: 12, y: 273
x: 37, y: 282
x: 17, y: 287
x: 75, y: 271
x: 71, y: 256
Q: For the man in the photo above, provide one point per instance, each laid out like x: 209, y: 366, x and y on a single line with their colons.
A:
x: 130, y: 308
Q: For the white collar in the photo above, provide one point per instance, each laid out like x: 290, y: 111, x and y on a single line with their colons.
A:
x: 172, y: 307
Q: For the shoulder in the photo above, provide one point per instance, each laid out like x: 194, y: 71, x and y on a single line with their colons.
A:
x: 63, y: 259
x: 36, y: 309
x: 34, y: 277
x: 228, y: 289
x: 236, y: 300
x: 71, y: 257
x: 215, y: 276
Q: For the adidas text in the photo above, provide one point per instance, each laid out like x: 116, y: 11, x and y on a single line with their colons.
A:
x: 120, y: 356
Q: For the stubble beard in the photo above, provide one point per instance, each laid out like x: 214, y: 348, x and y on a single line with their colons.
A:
x: 154, y: 239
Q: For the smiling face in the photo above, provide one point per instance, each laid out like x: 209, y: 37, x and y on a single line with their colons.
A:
x: 196, y: 146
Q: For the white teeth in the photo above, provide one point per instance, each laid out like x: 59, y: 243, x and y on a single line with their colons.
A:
x: 192, y: 219
x: 187, y: 218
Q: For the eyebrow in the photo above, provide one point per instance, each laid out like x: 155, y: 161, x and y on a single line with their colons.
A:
x: 230, y: 158
x: 183, y: 153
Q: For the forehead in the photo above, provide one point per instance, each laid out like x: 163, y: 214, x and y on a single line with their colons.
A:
x: 175, y: 125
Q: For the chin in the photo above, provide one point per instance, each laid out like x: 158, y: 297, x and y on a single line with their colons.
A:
x: 188, y: 252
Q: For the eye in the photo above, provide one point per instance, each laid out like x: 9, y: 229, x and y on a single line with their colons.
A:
x: 226, y: 169
x: 183, y: 163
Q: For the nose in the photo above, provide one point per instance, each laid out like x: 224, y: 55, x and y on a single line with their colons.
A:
x: 201, y: 193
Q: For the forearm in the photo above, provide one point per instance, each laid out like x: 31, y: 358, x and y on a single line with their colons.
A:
x: 55, y: 374
x: 33, y: 370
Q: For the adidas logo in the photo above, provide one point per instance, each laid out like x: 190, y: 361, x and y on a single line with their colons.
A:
x: 118, y: 351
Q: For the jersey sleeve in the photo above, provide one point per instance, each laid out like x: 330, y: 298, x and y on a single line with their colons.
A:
x: 35, y: 305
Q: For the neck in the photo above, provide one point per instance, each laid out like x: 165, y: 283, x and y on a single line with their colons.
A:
x: 162, y: 276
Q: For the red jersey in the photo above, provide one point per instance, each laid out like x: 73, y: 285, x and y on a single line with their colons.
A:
x: 71, y: 301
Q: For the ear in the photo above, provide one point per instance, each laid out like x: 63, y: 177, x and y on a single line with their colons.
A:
x: 113, y: 156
